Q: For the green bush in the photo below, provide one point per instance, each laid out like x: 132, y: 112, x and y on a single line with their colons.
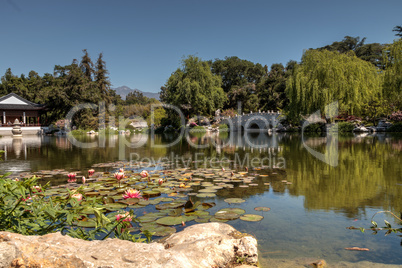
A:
x: 78, y: 132
x: 198, y: 129
x: 223, y: 127
x: 314, y: 128
x: 345, y: 127
x: 28, y: 209
x: 159, y: 130
x: 397, y: 127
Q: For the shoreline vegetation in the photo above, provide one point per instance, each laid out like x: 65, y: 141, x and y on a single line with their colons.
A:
x: 342, y: 127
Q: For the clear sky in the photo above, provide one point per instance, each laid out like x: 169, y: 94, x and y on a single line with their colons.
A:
x: 143, y: 42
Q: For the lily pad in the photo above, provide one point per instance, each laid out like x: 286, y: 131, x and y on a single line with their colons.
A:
x: 262, y: 209
x: 213, y: 219
x: 226, y: 215
x: 234, y: 200
x: 197, y: 213
x: 235, y: 210
x: 114, y: 206
x: 159, y: 230
x: 175, y: 204
x: 204, y: 195
x: 203, y: 220
x: 151, y: 193
x: 208, y: 190
x: 170, y: 220
x: 251, y: 217
x: 147, y: 218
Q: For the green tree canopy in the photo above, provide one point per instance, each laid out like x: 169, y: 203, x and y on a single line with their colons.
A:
x: 368, y: 52
x: 271, y: 90
x: 237, y: 72
x: 68, y: 86
x: 239, y: 80
x: 136, y: 97
x: 194, y: 88
x: 327, y: 76
x: 398, y: 30
x: 393, y: 73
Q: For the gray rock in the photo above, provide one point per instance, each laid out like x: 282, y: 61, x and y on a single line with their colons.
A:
x: 201, y: 245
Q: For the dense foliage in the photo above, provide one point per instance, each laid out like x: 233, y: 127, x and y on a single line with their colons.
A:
x: 79, y: 82
x: 368, y: 52
x: 194, y: 88
x: 239, y: 80
x: 393, y: 74
x: 325, y: 76
x: 27, y: 209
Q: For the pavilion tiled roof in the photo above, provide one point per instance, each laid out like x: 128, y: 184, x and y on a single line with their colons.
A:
x: 28, y: 106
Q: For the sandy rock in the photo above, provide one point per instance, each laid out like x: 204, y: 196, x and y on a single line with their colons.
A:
x: 201, y: 245
x: 7, y: 254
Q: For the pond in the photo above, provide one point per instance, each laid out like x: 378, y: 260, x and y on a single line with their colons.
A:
x: 311, y: 202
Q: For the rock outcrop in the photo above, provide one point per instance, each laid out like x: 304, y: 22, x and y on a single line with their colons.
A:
x: 201, y: 245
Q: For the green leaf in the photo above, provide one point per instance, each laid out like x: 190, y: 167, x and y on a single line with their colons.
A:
x: 387, y: 224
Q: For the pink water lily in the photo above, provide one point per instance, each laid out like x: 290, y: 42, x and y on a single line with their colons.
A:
x: 132, y: 193
x: 83, y: 180
x: 91, y: 172
x: 160, y: 181
x: 125, y: 216
x: 77, y: 196
x: 27, y: 198
x: 36, y: 189
x: 118, y: 176
x: 71, y: 177
x: 121, y: 170
x: 144, y: 174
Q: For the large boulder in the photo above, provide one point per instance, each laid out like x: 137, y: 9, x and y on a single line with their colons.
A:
x: 201, y: 245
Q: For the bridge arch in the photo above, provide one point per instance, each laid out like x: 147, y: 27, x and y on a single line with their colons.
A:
x: 253, y: 121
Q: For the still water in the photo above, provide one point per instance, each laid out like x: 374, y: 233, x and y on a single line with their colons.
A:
x: 309, y: 215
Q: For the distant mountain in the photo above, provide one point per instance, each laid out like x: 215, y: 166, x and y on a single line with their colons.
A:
x: 124, y: 90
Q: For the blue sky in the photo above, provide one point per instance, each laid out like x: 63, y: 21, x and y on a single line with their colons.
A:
x: 143, y: 42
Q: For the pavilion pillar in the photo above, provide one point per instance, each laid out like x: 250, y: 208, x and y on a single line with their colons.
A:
x: 4, y: 117
x: 38, y: 120
x: 24, y: 118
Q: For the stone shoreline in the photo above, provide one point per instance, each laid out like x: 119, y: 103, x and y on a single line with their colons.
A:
x: 202, y: 245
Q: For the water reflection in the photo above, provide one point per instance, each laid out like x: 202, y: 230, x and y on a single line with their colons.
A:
x: 309, y: 215
x: 368, y: 174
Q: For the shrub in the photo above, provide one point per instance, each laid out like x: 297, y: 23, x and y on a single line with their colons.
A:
x: 314, y: 128
x: 27, y: 209
x: 197, y: 129
x: 78, y: 132
x: 397, y: 127
x: 345, y: 127
x: 229, y: 112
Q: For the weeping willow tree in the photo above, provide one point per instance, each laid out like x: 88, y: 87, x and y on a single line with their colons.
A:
x: 393, y: 74
x: 327, y: 76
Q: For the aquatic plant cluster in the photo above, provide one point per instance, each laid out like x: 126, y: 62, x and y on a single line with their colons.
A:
x: 103, y: 205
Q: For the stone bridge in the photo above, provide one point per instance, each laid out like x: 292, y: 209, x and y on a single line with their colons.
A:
x: 253, y: 121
